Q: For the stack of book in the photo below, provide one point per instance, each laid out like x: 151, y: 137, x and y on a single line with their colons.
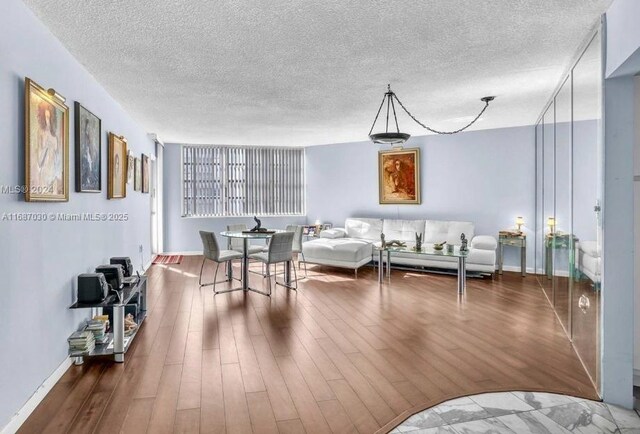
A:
x: 82, y: 342
x: 99, y: 330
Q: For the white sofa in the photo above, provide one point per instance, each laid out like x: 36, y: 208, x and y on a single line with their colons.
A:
x: 352, y: 246
x: 588, y: 260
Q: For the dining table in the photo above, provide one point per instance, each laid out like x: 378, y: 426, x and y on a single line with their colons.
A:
x: 246, y: 237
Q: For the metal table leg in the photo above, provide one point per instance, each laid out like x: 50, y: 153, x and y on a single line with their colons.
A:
x: 380, y: 265
x: 389, y: 264
x: 118, y: 333
x: 462, y: 274
x: 287, y: 273
x: 245, y: 264
x: 500, y: 257
x: 523, y: 261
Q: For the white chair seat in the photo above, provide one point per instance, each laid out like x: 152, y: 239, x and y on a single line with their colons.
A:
x: 228, y: 255
x: 255, y: 249
x: 262, y: 256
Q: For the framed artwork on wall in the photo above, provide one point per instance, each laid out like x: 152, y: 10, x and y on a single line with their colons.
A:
x: 46, y: 145
x: 116, y: 167
x: 130, y: 167
x: 137, y: 182
x: 88, y: 132
x: 399, y: 176
x: 145, y: 173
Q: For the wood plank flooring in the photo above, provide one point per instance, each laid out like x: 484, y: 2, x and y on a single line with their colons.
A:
x: 342, y: 355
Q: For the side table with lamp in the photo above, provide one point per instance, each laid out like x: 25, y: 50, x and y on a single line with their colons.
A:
x: 513, y: 238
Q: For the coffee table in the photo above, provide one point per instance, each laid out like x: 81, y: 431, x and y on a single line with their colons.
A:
x: 425, y: 251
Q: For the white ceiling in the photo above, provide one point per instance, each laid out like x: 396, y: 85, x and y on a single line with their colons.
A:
x: 285, y: 72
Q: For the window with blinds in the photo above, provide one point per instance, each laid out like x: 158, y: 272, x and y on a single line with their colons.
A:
x: 223, y: 181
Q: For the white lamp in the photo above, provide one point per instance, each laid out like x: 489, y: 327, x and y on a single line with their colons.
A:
x: 519, y: 223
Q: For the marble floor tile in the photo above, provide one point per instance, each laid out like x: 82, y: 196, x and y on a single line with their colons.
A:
x: 484, y: 426
x: 499, y: 404
x: 540, y: 400
x: 436, y: 430
x: 598, y: 408
x: 624, y: 418
x: 630, y: 430
x: 460, y: 410
x: 579, y: 418
x: 533, y: 422
x: 422, y: 420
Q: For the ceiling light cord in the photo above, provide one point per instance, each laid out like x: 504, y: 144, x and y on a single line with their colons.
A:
x: 398, y: 137
x: 486, y: 100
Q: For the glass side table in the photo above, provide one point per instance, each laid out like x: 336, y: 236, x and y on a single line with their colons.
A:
x: 508, y: 238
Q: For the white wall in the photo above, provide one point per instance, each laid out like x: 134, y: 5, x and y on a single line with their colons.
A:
x: 39, y: 261
x: 636, y: 194
x: 482, y: 176
x: 623, y: 38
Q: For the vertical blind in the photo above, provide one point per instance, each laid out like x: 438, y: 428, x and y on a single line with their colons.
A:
x: 242, y: 181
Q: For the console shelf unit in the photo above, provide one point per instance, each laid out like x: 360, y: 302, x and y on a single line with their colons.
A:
x: 117, y: 343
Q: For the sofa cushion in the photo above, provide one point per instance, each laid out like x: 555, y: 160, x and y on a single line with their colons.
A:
x: 458, y: 228
x: 338, y: 249
x: 333, y: 233
x: 404, y: 230
x: 361, y: 228
x: 437, y: 231
x: 590, y: 248
x: 484, y: 242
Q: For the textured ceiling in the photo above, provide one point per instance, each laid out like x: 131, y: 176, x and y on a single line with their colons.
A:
x: 284, y: 72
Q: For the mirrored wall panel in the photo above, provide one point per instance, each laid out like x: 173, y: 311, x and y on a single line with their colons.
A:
x: 568, y: 197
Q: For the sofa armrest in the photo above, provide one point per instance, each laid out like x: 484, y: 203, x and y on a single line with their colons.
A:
x: 484, y: 242
x: 333, y: 233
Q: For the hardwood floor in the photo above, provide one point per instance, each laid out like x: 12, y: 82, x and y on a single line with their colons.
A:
x: 341, y: 355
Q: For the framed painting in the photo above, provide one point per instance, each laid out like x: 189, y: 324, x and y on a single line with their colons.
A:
x: 130, y: 167
x: 116, y: 167
x: 88, y: 131
x: 137, y: 182
x: 399, y: 176
x: 46, y: 145
x: 145, y: 173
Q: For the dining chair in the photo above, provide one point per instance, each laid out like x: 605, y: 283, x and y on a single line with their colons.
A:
x: 280, y: 251
x: 211, y: 251
x: 297, y: 244
x: 237, y: 244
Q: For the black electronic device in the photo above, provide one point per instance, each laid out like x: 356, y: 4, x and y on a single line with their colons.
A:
x: 125, y: 261
x: 92, y: 288
x: 113, y: 274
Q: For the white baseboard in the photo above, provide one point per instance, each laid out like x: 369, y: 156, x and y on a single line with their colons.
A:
x: 530, y: 270
x: 515, y: 268
x: 21, y: 415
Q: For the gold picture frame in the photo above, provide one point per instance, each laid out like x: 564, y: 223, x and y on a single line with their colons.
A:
x: 46, y: 139
x: 399, y: 176
x: 117, y: 167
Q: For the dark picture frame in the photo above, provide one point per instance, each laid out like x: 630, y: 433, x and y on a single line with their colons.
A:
x: 88, y: 159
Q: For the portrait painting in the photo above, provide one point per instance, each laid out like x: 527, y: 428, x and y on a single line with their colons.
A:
x: 130, y: 167
x: 137, y: 182
x: 117, y: 167
x: 46, y: 145
x: 88, y: 129
x: 399, y: 176
x: 145, y: 173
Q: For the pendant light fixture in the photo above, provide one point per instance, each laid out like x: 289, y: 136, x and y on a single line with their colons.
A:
x: 398, y: 138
